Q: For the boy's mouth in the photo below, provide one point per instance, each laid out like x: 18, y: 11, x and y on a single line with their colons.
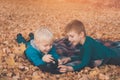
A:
x: 72, y: 44
x: 45, y: 52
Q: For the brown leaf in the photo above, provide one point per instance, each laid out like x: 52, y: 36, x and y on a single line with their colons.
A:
x: 10, y: 60
x: 103, y: 77
x: 19, y: 49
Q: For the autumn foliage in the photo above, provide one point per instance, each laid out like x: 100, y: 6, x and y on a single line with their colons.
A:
x: 101, y: 19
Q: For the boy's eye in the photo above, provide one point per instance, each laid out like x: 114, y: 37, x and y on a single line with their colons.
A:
x: 71, y: 36
x: 47, y: 45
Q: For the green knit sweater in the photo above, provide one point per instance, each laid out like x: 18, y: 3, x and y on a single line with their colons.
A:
x: 92, y: 50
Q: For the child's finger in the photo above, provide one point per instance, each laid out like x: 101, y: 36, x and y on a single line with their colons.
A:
x: 63, y: 70
x: 60, y: 62
x: 50, y: 60
x: 51, y: 57
x: 64, y: 61
x: 61, y: 66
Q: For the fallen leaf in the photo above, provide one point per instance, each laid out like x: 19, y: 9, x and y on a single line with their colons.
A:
x: 103, y: 77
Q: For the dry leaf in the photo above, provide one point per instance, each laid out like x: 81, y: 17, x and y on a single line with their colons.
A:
x: 1, y: 57
x: 103, y: 77
x: 84, y: 77
x: 100, y: 17
x: 20, y: 49
x: 93, y: 73
x: 10, y: 60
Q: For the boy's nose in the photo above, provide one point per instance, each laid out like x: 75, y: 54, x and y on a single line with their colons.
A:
x: 48, y: 48
x: 70, y: 39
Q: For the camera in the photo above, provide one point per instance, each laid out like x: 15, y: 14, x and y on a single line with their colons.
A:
x: 53, y: 65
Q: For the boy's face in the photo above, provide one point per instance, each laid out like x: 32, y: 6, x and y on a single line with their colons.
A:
x: 73, y: 37
x: 45, y: 46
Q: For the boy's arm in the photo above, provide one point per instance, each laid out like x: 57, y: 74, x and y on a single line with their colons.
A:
x: 32, y: 56
x: 85, y: 59
x: 73, y: 58
x: 54, y: 53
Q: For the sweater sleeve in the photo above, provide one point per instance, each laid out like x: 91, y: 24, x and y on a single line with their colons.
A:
x: 34, y: 57
x: 54, y: 53
x: 85, y: 59
x: 74, y: 58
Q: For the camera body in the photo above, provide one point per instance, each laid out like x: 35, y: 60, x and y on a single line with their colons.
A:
x: 52, y: 65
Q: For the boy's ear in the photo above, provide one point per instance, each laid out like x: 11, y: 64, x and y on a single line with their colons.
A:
x: 36, y: 41
x: 82, y: 34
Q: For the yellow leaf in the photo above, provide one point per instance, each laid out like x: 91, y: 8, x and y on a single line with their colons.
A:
x: 35, y: 77
x: 94, y: 73
x: 10, y: 61
x: 103, y: 77
x: 22, y: 47
x: 19, y: 49
x: 0, y: 57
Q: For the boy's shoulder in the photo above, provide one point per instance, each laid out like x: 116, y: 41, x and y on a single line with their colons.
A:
x: 89, y: 38
x: 89, y: 41
x: 53, y: 48
x: 92, y: 42
x: 30, y: 49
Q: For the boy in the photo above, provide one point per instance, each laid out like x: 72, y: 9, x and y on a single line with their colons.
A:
x: 90, y: 49
x: 40, y: 51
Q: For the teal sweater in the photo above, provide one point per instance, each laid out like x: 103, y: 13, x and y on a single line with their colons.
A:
x: 92, y: 50
x: 35, y: 56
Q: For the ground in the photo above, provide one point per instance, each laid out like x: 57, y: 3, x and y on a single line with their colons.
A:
x: 100, y: 17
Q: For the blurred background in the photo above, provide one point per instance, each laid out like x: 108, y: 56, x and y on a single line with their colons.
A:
x: 100, y: 17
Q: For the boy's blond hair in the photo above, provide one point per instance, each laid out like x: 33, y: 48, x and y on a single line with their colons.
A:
x: 75, y: 25
x: 43, y: 33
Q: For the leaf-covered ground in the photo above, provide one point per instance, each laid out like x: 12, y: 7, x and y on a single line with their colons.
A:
x: 101, y: 18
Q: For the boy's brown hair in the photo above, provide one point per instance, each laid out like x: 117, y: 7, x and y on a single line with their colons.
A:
x: 75, y: 25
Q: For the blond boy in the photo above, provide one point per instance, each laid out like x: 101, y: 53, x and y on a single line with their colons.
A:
x: 40, y: 52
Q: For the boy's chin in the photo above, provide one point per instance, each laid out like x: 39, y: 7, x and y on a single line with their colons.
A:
x: 73, y: 44
x: 45, y: 52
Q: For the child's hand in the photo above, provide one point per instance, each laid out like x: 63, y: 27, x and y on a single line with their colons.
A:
x: 59, y: 62
x: 64, y: 60
x: 63, y: 68
x: 97, y: 63
x: 48, y: 58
